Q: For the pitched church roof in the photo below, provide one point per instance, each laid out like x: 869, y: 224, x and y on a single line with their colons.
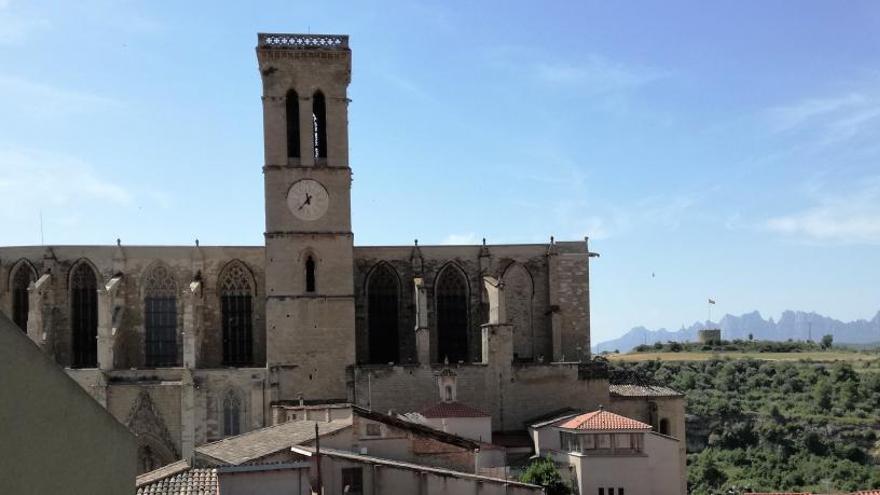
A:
x: 452, y: 409
x: 253, y: 445
x: 602, y: 420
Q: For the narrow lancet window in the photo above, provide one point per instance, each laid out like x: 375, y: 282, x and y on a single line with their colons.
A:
x: 236, y: 309
x: 160, y: 317
x: 292, y: 104
x: 231, y: 414
x: 382, y: 315
x: 84, y: 316
x: 319, y: 124
x: 452, y: 315
x: 310, y: 274
x: 21, y: 280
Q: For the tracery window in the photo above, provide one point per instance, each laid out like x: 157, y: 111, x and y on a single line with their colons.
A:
x: 236, y: 309
x: 84, y: 316
x: 382, y: 315
x: 231, y: 414
x: 319, y: 124
x: 160, y: 317
x: 292, y: 110
x: 310, y: 274
x: 452, y: 315
x: 21, y: 280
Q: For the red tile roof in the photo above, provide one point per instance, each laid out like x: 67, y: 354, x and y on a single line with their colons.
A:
x: 602, y: 420
x: 452, y: 410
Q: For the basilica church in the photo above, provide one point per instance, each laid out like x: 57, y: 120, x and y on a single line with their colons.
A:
x: 190, y: 344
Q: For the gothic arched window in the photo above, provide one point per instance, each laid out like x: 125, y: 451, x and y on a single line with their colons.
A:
x: 452, y: 315
x: 231, y: 414
x: 292, y: 116
x: 319, y: 124
x: 84, y: 315
x: 310, y: 274
x: 236, y: 309
x: 160, y: 317
x: 382, y: 322
x: 21, y: 280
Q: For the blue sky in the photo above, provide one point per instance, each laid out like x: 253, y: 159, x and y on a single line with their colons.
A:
x: 731, y: 151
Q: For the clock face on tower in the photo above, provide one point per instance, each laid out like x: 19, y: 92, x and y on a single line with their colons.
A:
x: 308, y: 199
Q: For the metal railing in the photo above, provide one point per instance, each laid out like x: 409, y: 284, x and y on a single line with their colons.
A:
x: 303, y: 41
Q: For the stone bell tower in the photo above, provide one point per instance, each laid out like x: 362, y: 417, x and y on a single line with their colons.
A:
x: 309, y: 244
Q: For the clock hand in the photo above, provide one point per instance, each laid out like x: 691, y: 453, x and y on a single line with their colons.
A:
x: 308, y: 201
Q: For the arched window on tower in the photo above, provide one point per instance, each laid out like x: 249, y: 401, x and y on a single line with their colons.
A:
x: 236, y: 308
x: 310, y: 274
x: 160, y: 317
x: 319, y: 124
x: 292, y: 116
x: 21, y: 280
x: 231, y: 414
x: 383, y: 292
x: 84, y: 316
x: 452, y: 315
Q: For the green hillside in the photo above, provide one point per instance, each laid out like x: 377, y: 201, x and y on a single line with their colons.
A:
x: 768, y: 424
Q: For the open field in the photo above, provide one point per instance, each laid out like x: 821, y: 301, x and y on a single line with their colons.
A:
x: 824, y: 357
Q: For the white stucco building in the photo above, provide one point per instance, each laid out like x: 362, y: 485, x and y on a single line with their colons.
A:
x: 610, y: 454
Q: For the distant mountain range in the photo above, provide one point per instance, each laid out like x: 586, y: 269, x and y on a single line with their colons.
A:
x: 795, y: 325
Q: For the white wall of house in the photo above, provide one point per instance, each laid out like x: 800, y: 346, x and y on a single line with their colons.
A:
x: 479, y: 429
x: 275, y: 482
x: 655, y: 472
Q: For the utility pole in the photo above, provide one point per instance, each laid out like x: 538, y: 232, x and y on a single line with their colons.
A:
x: 319, y: 489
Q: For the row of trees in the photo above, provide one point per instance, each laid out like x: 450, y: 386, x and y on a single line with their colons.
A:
x: 738, y: 345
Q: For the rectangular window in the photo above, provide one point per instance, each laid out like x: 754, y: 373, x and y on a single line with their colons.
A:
x: 604, y: 441
x: 622, y: 441
x: 601, y: 491
x: 352, y: 481
x: 589, y: 442
x: 637, y: 438
x: 611, y: 491
x: 619, y: 490
x: 373, y: 430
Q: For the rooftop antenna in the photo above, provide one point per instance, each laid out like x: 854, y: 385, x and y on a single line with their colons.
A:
x: 42, y: 240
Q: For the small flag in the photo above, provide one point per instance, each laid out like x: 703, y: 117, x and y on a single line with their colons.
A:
x: 711, y: 301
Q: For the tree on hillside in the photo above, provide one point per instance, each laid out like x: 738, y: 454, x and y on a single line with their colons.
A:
x: 543, y: 472
x: 827, y: 340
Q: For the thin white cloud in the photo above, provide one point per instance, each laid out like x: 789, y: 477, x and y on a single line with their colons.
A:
x: 30, y: 178
x: 851, y: 217
x: 40, y: 99
x: 597, y: 75
x: 833, y: 119
x: 787, y: 117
